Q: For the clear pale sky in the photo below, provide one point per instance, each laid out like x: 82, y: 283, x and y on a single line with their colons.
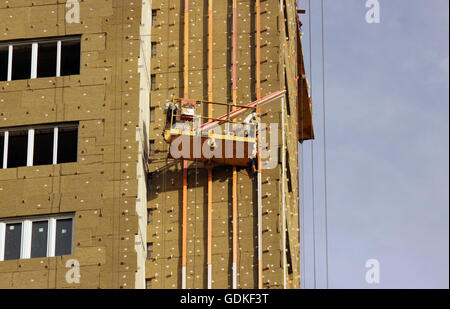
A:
x: 387, y: 109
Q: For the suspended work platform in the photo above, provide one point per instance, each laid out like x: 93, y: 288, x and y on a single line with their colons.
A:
x: 223, y: 149
x: 193, y: 137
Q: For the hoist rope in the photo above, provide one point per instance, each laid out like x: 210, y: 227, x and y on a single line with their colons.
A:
x: 302, y: 218
x: 312, y: 149
x: 325, y: 147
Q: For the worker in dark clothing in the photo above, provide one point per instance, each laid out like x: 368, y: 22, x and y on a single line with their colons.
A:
x: 254, y: 165
x: 171, y: 109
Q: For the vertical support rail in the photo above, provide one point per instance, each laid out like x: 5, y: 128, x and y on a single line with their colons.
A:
x: 258, y: 49
x: 184, y: 249
x: 234, y: 93
x: 234, y: 51
x: 283, y: 190
x: 283, y: 154
x: 209, y: 257
x: 186, y: 95
x: 260, y: 253
x: 210, y: 57
x: 235, y: 230
x: 186, y: 49
x: 210, y: 114
x: 258, y: 113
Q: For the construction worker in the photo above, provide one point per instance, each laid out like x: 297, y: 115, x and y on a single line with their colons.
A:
x: 171, y: 110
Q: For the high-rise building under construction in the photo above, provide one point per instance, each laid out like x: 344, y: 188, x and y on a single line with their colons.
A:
x: 151, y: 143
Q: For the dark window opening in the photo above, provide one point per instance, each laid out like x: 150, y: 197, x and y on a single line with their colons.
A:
x: 288, y: 254
x: 67, y: 145
x: 39, y: 236
x: 47, y: 59
x: 4, y: 53
x: 289, y: 176
x: 286, y: 24
x: 152, y: 148
x: 288, y: 103
x: 17, y: 148
x: 13, y: 240
x: 70, y: 57
x: 2, y: 145
x: 43, y: 147
x: 288, y: 107
x: 150, y: 179
x: 148, y: 284
x: 150, y: 250
x: 152, y: 114
x: 154, y: 49
x: 154, y: 17
x: 63, y: 244
x: 149, y: 216
x: 280, y: 155
x: 21, y: 66
x: 153, y: 82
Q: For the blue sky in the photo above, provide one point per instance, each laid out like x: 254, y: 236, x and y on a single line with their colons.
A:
x: 387, y: 109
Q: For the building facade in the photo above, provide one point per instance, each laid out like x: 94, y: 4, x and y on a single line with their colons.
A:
x: 90, y: 195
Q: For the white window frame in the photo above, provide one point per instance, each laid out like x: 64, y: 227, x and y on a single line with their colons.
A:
x: 10, y: 61
x: 35, y: 52
x: 27, y: 231
x: 30, y: 145
x: 34, y: 60
x: 55, y: 145
x: 58, y: 59
x: 5, y: 149
x: 30, y: 152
